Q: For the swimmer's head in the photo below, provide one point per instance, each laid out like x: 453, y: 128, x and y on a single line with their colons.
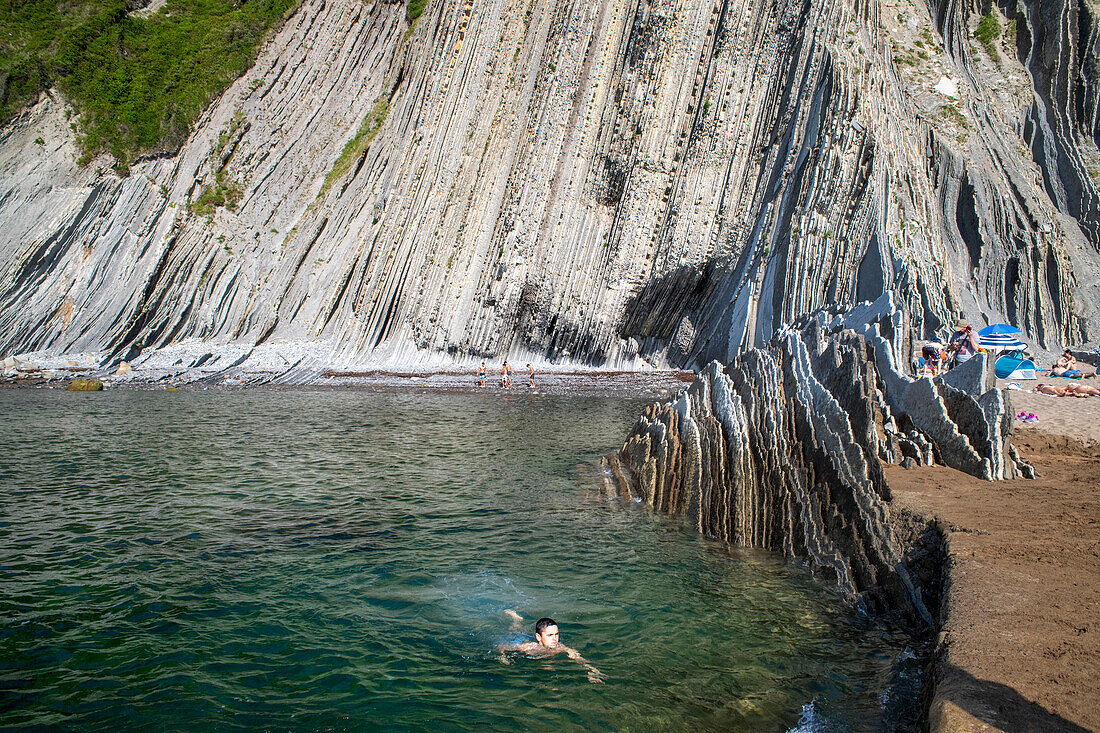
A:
x: 546, y: 632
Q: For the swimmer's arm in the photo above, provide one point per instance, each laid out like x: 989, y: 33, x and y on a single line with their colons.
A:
x: 595, y: 676
x: 502, y: 648
x: 517, y: 620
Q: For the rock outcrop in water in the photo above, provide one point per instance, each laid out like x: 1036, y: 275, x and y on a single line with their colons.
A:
x: 781, y: 448
x: 598, y: 183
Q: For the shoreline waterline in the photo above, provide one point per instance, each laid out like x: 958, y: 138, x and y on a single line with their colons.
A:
x: 655, y: 383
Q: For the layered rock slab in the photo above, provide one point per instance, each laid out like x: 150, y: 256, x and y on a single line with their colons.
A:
x: 608, y: 184
x: 782, y: 450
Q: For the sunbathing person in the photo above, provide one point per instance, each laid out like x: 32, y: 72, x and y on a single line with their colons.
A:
x: 1066, y: 366
x: 1083, y: 390
x: 1070, y: 390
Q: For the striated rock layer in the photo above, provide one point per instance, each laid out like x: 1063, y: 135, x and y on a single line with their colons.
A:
x: 781, y: 450
x: 612, y: 183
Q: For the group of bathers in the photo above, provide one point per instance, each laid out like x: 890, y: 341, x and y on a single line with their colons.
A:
x: 505, y: 375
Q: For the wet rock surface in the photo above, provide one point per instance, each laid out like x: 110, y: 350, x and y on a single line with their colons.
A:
x: 85, y: 385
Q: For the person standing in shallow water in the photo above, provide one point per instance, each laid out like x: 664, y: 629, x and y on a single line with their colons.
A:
x: 482, y: 372
x: 530, y: 376
x: 547, y: 643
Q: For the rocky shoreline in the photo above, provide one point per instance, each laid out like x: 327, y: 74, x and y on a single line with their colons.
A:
x: 1005, y: 569
x: 656, y: 385
x: 799, y: 448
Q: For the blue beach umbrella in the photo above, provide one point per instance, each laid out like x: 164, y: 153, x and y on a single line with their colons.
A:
x: 1000, y: 342
x: 998, y: 329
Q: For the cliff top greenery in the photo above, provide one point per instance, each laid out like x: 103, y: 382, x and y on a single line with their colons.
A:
x: 137, y: 82
x: 415, y: 8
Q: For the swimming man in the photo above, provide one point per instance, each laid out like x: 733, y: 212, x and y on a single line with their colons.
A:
x: 546, y: 644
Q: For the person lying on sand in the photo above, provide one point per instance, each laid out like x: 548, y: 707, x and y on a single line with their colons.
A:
x: 1070, y: 390
x: 1066, y: 366
x: 546, y: 644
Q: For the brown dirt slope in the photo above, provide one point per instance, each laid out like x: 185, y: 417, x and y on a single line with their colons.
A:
x: 1020, y: 621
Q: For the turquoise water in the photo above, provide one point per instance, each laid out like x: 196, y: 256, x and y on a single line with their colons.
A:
x: 341, y: 561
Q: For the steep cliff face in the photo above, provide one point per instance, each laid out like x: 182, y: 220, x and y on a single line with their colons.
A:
x: 1062, y: 127
x: 600, y: 183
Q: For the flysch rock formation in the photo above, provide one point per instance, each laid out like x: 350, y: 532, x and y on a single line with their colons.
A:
x: 781, y: 449
x: 614, y: 184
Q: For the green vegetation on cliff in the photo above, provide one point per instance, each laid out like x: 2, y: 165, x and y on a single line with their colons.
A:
x: 137, y: 82
x: 415, y: 9
x: 355, y: 148
x: 988, y: 34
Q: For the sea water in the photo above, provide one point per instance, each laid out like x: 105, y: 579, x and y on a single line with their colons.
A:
x: 342, y: 560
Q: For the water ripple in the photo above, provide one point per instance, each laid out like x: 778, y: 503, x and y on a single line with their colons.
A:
x: 323, y: 560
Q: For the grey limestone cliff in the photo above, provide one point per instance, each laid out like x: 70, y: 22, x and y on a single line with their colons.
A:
x: 610, y: 183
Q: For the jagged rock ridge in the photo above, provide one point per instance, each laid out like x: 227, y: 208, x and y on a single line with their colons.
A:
x: 599, y: 183
x: 781, y: 450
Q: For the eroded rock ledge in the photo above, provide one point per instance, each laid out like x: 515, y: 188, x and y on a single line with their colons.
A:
x: 781, y: 449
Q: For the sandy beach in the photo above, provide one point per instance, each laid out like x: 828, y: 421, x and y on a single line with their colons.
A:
x: 1019, y: 648
x: 1077, y: 418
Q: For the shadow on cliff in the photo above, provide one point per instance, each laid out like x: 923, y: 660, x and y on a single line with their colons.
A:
x: 990, y: 702
x: 660, y: 314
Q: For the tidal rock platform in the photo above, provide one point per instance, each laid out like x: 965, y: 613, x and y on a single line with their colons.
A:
x: 782, y: 449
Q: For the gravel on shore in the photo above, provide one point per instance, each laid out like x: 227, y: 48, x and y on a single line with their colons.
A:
x: 656, y: 384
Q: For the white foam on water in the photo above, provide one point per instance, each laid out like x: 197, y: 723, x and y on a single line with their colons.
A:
x: 809, y: 721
